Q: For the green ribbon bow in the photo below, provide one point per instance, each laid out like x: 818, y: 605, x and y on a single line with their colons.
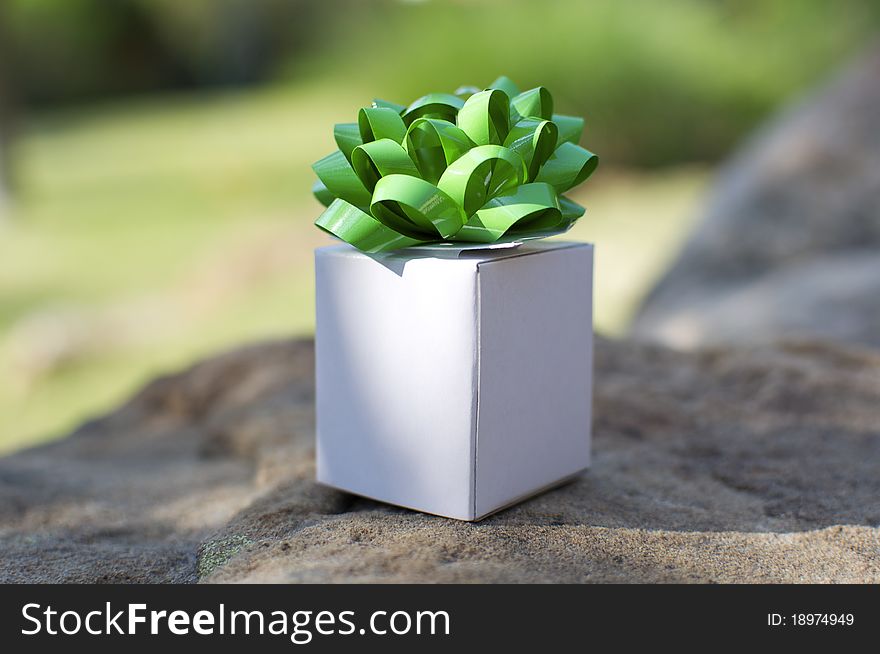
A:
x: 475, y: 166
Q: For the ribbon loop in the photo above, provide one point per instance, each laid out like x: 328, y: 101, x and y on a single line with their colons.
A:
x: 347, y: 137
x: 339, y: 178
x: 570, y: 128
x: 401, y: 199
x: 571, y: 210
x: 535, y: 205
x: 374, y: 160
x: 569, y: 166
x: 534, y: 140
x: 485, y: 117
x: 434, y: 144
x: 444, y: 106
x: 506, y: 85
x: 380, y: 123
x: 481, y: 174
x: 379, y: 103
x: 358, y: 228
x: 534, y: 103
x: 322, y: 193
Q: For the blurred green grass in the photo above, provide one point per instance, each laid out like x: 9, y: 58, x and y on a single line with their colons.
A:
x: 148, y: 234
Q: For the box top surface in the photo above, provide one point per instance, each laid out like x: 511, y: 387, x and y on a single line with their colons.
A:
x: 473, y: 256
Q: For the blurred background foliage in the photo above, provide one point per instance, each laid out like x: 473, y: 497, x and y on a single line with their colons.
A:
x: 662, y: 82
x: 156, y: 153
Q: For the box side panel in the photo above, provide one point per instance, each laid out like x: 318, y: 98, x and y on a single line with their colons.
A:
x: 395, y: 366
x: 536, y: 361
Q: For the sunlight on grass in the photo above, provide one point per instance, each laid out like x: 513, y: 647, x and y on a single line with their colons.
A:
x: 148, y: 234
x: 638, y: 223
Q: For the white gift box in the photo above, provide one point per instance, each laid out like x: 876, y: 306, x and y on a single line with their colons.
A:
x: 454, y: 382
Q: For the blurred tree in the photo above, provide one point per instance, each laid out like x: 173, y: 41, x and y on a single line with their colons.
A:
x: 76, y: 50
x: 224, y: 42
x: 6, y: 121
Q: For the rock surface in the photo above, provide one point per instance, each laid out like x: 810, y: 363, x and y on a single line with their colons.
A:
x: 790, y: 240
x: 724, y: 465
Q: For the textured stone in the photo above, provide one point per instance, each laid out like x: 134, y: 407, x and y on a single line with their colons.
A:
x: 788, y: 245
x: 722, y: 465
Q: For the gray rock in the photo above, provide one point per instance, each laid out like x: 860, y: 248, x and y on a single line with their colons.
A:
x: 834, y: 296
x: 723, y: 465
x: 802, y: 197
